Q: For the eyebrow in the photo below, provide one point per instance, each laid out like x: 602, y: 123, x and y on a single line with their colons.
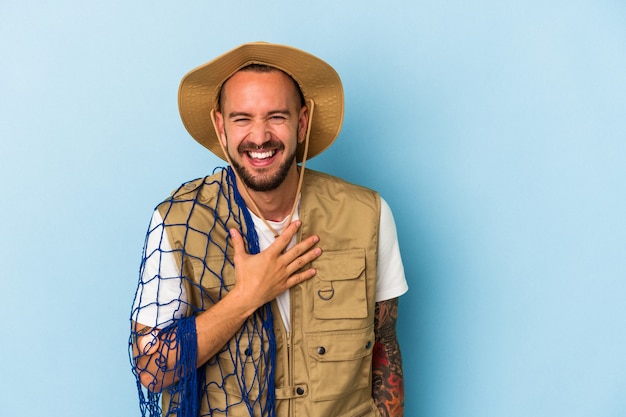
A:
x: 235, y: 114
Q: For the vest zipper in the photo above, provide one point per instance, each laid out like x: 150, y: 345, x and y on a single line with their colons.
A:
x: 292, y: 326
x: 290, y: 370
x: 287, y: 361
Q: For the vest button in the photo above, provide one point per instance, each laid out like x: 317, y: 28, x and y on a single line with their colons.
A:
x: 368, y: 345
x: 300, y: 391
x: 321, y: 350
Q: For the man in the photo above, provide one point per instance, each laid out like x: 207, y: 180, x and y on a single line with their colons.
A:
x: 267, y: 289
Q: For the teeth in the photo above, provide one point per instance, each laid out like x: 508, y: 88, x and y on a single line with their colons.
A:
x: 261, y: 155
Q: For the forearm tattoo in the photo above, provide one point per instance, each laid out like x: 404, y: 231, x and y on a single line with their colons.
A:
x: 388, y: 381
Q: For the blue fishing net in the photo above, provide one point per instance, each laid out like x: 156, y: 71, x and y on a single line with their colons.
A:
x: 184, y: 264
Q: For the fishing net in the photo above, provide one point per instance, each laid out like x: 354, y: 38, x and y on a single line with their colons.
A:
x: 186, y: 268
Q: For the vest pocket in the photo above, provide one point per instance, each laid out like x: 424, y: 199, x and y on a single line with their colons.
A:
x: 340, y: 362
x: 340, y: 285
x: 236, y: 375
x: 210, y: 280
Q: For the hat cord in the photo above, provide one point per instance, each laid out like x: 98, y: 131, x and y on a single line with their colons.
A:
x: 300, y: 176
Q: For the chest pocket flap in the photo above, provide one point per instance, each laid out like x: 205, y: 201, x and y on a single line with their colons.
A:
x: 340, y: 285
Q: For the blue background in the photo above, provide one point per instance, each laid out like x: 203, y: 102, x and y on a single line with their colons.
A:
x: 494, y: 129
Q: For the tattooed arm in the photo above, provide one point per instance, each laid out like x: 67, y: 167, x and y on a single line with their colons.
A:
x: 388, y: 381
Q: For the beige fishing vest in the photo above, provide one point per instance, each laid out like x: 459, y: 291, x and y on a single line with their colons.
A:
x: 324, y: 366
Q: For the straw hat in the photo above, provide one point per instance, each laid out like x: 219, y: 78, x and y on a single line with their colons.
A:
x: 197, y: 95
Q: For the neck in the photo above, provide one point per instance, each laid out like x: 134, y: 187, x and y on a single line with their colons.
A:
x: 273, y: 205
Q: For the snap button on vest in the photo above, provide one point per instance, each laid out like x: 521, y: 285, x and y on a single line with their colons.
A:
x: 299, y: 390
x: 321, y: 350
x: 368, y: 345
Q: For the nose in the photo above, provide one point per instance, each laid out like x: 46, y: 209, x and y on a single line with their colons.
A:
x: 259, y: 133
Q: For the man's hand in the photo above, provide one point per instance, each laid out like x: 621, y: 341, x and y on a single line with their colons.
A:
x: 262, y: 277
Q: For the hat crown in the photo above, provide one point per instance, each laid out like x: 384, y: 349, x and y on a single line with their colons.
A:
x: 318, y: 81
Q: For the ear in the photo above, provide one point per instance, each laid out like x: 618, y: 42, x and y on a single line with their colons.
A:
x: 219, y: 127
x: 303, y: 123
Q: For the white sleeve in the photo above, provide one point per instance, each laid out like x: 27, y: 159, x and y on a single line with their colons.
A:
x: 161, y: 297
x: 391, y: 282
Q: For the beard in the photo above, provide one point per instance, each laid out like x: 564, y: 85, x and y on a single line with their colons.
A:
x: 263, y: 182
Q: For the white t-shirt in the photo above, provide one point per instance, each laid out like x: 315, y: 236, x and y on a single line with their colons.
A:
x: 161, y: 297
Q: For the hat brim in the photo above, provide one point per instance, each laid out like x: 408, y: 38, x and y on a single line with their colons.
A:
x: 318, y: 81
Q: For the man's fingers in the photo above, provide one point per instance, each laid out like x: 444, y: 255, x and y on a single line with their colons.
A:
x: 237, y: 242
x: 301, y: 249
x: 276, y: 262
x: 296, y: 279
x: 302, y: 259
x: 282, y: 241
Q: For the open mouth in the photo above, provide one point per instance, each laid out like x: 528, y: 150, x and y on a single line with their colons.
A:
x: 261, y: 155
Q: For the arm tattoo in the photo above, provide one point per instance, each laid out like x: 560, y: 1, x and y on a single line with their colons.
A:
x: 139, y: 331
x: 387, y: 380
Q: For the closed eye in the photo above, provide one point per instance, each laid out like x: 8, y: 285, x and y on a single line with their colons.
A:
x: 240, y: 119
x: 278, y: 116
x: 277, y: 119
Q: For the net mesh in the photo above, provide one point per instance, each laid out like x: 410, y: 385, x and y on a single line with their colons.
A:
x: 186, y: 268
